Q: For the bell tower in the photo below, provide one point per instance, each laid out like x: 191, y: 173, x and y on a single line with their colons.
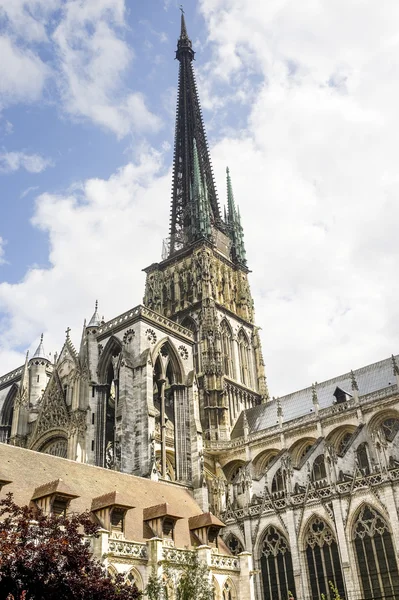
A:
x: 202, y: 280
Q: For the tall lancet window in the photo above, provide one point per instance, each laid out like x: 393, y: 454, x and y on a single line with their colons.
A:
x: 245, y: 361
x: 227, y: 348
x: 276, y: 566
x: 375, y: 555
x: 323, y: 560
x: 173, y: 418
x: 7, y: 414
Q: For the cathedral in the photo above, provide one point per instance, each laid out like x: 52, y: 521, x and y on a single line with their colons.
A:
x: 160, y: 422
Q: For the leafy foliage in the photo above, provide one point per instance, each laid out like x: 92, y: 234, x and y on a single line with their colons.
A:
x: 335, y: 595
x: 44, y: 557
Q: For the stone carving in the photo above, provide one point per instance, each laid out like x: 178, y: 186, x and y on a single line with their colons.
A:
x: 151, y: 336
x: 128, y: 336
x: 183, y: 352
x: 53, y: 412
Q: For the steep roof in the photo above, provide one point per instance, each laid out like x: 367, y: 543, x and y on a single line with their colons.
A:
x: 369, y: 379
x: 28, y: 470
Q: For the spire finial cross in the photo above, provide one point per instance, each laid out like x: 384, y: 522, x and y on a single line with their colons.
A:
x: 68, y: 329
x: 182, y: 9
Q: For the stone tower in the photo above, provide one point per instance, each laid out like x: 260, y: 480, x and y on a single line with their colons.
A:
x: 202, y: 281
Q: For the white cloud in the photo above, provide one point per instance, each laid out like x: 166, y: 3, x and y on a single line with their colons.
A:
x: 101, y: 234
x: 92, y: 61
x: 13, y: 161
x: 22, y: 74
x: 28, y: 18
x: 314, y: 172
x: 86, y: 39
x: 315, y: 175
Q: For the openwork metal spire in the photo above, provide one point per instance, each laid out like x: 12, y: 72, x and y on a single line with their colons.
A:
x: 190, y: 137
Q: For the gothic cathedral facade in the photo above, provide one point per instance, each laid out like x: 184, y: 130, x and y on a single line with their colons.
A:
x: 174, y: 390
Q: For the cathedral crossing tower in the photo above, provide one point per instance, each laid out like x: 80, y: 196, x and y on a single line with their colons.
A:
x: 202, y: 281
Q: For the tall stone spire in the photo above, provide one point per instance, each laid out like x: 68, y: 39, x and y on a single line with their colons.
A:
x: 234, y: 225
x: 185, y: 225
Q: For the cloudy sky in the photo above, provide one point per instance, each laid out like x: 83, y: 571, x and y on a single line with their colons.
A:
x: 300, y: 100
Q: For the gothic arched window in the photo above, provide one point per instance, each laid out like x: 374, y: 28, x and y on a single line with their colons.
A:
x: 234, y: 544
x: 245, y: 362
x: 319, y: 469
x: 276, y: 566
x: 7, y: 414
x: 344, y: 443
x: 323, y: 560
x: 227, y: 348
x: 375, y: 555
x: 362, y: 457
x: 228, y: 591
x: 390, y: 427
x: 278, y: 483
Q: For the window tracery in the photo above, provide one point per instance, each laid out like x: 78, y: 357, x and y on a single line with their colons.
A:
x: 375, y: 555
x: 234, y: 545
x: 319, y: 469
x: 390, y: 428
x: 56, y: 447
x: 276, y: 566
x: 278, y: 483
x: 362, y: 458
x: 344, y: 443
x: 228, y: 591
x: 324, y: 565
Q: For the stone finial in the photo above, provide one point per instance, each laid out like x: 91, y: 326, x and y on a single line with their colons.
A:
x: 394, y: 365
x: 315, y: 399
x: 354, y: 384
x: 67, y: 331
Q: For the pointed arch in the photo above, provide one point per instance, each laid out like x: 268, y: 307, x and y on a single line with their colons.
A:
x: 263, y: 460
x: 229, y: 591
x: 319, y: 473
x: 340, y: 438
x: 363, y: 458
x: 112, y: 349
x: 7, y: 413
x: 169, y: 360
x: 276, y: 565
x: 226, y: 338
x: 133, y: 578
x: 300, y: 449
x: 375, y: 554
x: 234, y: 544
x: 231, y: 469
x: 108, y: 394
x: 322, y: 557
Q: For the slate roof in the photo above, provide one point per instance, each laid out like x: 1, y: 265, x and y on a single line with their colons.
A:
x: 28, y: 470
x: 369, y: 379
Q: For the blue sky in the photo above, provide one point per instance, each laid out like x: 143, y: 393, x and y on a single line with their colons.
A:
x: 299, y: 99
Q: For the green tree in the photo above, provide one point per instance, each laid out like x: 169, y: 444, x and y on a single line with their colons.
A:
x: 193, y: 582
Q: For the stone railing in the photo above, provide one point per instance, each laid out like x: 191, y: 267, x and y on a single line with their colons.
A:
x: 125, y: 548
x: 175, y: 556
x: 342, y: 488
x: 149, y: 314
x: 11, y: 375
x: 225, y: 563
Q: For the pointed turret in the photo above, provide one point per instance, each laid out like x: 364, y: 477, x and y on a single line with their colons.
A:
x: 40, y: 353
x: 234, y: 225
x: 184, y: 225
x: 201, y: 226
x: 95, y: 321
